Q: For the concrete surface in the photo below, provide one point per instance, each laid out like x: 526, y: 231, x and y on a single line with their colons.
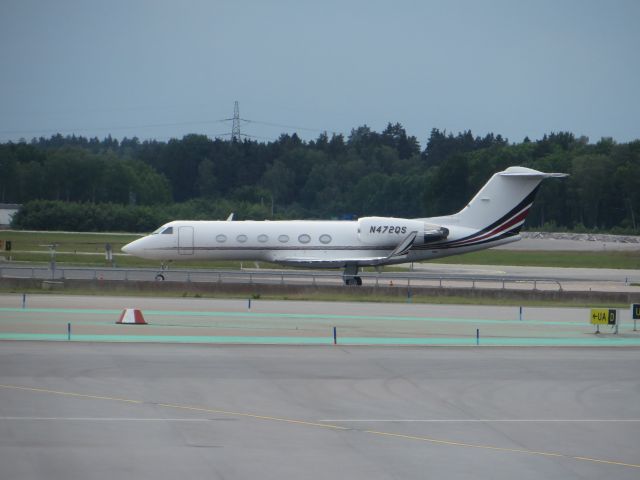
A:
x: 144, y: 411
x: 189, y: 320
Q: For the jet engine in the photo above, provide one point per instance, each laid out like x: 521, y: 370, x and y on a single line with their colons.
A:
x: 390, y: 230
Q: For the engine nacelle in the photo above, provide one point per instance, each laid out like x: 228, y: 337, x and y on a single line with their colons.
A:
x: 390, y: 230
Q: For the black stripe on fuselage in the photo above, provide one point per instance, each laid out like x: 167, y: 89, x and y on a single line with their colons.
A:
x: 507, y: 234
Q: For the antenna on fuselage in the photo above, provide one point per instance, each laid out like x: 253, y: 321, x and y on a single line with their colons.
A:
x: 230, y: 217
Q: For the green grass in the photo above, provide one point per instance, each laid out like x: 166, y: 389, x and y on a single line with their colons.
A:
x: 88, y: 249
x: 71, y: 248
x: 66, y: 242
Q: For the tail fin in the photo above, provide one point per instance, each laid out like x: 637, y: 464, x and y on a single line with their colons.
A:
x: 504, y: 201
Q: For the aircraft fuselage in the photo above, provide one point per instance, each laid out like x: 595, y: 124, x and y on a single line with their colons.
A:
x: 368, y: 241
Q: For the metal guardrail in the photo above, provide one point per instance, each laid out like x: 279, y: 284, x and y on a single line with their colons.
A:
x: 282, y: 277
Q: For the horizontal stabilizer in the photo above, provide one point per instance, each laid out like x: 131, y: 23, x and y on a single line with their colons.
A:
x: 528, y: 172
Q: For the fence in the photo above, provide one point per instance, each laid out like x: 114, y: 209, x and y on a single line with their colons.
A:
x: 282, y: 277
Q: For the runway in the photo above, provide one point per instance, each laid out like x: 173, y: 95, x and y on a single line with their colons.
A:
x: 163, y: 411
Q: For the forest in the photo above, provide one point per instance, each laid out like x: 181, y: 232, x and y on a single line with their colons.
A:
x: 86, y: 184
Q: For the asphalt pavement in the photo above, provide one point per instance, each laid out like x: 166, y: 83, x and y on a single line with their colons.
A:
x: 176, y: 399
x: 157, y: 411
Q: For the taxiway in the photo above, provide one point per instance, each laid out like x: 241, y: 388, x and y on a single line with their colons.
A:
x: 99, y: 411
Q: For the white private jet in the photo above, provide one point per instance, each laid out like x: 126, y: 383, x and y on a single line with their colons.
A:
x: 493, y: 217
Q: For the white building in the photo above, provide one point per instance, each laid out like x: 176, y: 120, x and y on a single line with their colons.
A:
x: 7, y: 211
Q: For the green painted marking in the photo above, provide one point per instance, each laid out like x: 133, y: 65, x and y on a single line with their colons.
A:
x: 62, y: 310
x: 177, y: 313
x: 451, y: 341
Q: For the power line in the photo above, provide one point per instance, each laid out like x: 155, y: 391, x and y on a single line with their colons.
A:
x: 246, y: 135
x: 279, y: 125
x: 235, y: 134
x: 235, y: 129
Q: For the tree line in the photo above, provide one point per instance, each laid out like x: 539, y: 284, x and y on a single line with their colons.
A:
x: 78, y: 183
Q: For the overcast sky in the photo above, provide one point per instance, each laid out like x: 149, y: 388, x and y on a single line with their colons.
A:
x: 161, y: 69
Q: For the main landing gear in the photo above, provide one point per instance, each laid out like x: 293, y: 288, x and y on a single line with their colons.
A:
x: 352, y: 281
x: 351, y: 275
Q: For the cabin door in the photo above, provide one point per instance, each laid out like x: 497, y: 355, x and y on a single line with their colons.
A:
x: 185, y: 241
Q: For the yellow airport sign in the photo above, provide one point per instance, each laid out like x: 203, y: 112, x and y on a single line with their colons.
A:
x: 603, y: 316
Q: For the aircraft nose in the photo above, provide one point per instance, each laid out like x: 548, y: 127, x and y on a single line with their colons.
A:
x: 130, y: 248
x: 138, y: 248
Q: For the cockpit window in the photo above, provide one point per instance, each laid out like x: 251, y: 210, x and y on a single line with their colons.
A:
x: 164, y: 230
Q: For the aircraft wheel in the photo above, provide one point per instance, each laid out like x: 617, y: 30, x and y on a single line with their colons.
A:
x: 159, y: 277
x: 358, y: 280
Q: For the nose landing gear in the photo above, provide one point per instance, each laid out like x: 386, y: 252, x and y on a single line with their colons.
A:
x: 160, y: 276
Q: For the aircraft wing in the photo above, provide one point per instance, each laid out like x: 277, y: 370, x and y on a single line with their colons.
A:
x: 402, y: 249
x: 330, y: 262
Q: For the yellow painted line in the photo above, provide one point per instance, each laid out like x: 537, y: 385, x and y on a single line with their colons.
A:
x: 500, y: 449
x: 328, y: 425
x: 71, y: 394
x: 251, y: 415
x: 470, y: 445
x: 610, y: 462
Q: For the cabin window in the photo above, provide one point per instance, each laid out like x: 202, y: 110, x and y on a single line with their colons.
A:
x: 221, y: 238
x: 304, y: 238
x: 241, y: 238
x: 263, y: 238
x: 283, y: 238
x: 325, y: 238
x: 167, y: 231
